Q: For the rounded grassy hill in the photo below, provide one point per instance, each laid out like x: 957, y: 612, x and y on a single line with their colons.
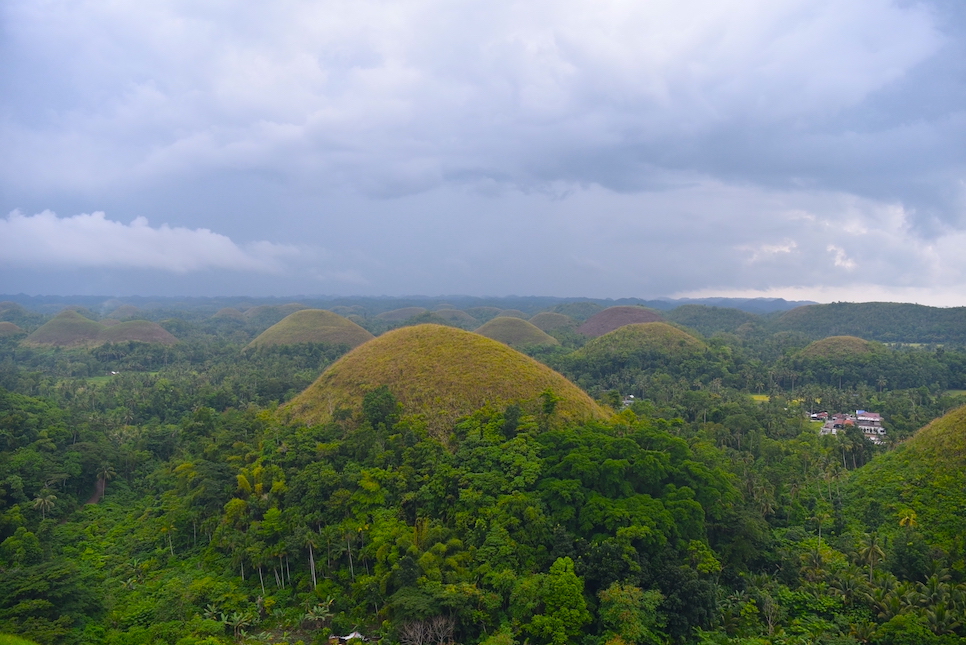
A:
x: 141, y: 331
x: 484, y: 314
x: 400, y: 315
x: 442, y: 373
x: 124, y: 312
x: 552, y: 321
x: 312, y: 326
x: 515, y: 332
x: 616, y: 317
x: 840, y: 347
x: 637, y: 338
x: 66, y: 329
x: 456, y: 317
x: 923, y: 480
x: 512, y: 313
x: 9, y: 329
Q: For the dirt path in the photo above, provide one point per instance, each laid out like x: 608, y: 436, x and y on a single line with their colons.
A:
x: 98, y: 492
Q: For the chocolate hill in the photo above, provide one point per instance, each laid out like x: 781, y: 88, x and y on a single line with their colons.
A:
x: 442, y: 373
x: 616, y: 317
x: 312, y: 326
x: 515, y: 332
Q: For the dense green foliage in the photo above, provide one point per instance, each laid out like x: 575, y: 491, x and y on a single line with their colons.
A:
x: 172, y: 503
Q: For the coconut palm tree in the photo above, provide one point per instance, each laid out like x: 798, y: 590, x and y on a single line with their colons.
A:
x: 44, y: 502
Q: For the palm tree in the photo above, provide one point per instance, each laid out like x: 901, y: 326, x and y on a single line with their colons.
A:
x: 44, y: 502
x: 870, y: 551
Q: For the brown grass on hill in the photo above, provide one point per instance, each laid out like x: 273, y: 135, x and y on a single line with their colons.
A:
x: 400, y: 315
x: 616, y: 317
x: 442, y: 373
x: 70, y: 329
x: 9, y: 329
x: 66, y: 329
x: 513, y: 313
x: 515, y: 333
x: 838, y: 347
x: 312, y: 326
x: 7, y: 305
x: 552, y: 321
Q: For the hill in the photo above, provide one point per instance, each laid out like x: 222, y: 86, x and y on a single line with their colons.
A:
x: 9, y: 329
x: 70, y: 329
x: 442, y: 373
x: 456, y: 317
x: 400, y: 315
x: 579, y: 310
x: 552, y: 321
x: 651, y: 337
x: 615, y: 317
x: 839, y: 347
x: 883, y: 321
x: 312, y: 326
x: 66, y: 329
x: 512, y: 313
x: 515, y: 333
x: 124, y: 312
x: 483, y: 314
x: 708, y: 320
x: 271, y: 314
x: 925, y: 475
x: 142, y: 331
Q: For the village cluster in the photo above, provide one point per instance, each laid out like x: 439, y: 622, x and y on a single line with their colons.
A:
x: 870, y: 423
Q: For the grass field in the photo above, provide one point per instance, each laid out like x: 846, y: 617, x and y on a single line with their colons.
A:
x: 616, y: 317
x: 760, y: 398
x: 631, y: 339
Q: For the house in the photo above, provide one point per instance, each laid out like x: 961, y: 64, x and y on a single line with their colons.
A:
x: 870, y: 423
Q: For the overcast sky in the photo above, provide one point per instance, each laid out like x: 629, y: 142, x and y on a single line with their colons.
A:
x: 605, y: 148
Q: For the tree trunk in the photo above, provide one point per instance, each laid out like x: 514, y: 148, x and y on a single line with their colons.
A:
x: 312, y: 567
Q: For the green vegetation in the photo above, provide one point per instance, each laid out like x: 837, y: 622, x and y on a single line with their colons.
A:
x: 124, y: 312
x: 142, y: 331
x: 435, y: 487
x: 312, y: 326
x: 6, y: 639
x: 615, y: 317
x: 883, y: 321
x: 515, y: 332
x: 441, y: 373
x: 710, y: 320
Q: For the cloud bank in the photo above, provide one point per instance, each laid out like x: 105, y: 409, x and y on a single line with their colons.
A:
x: 92, y: 240
x: 497, y: 147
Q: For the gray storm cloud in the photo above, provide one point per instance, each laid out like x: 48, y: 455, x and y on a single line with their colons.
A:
x: 498, y: 147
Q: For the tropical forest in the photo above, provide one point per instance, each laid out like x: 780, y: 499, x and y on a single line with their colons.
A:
x: 504, y: 471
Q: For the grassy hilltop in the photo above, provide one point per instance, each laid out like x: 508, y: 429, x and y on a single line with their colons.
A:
x: 515, y: 332
x: 442, y: 373
x: 312, y: 326
x: 71, y: 329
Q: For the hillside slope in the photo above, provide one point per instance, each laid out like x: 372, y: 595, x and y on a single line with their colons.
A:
x: 442, y: 373
x: 312, y: 326
x: 616, y: 317
x: 882, y: 321
x: 515, y: 332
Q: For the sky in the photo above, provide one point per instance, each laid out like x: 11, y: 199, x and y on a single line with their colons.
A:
x: 806, y: 149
